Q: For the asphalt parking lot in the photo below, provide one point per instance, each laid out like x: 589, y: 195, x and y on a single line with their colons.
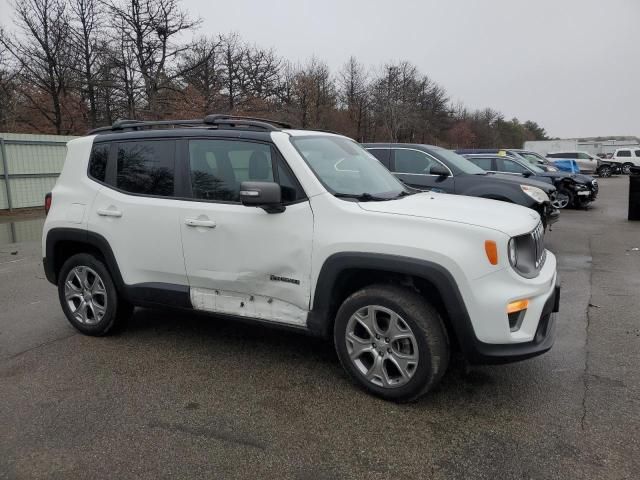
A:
x: 191, y: 396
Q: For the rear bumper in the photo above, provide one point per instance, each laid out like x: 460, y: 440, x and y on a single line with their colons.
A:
x: 488, y: 353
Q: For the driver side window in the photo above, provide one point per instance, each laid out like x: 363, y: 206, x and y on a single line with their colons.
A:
x: 412, y: 161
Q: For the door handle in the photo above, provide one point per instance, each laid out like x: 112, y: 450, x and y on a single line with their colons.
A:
x: 194, y: 222
x: 109, y: 213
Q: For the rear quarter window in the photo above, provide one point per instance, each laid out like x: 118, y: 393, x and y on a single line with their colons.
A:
x: 98, y: 161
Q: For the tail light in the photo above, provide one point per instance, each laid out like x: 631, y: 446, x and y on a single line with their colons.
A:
x: 47, y: 202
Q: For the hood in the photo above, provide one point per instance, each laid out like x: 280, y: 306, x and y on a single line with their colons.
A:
x: 505, y: 217
x: 520, y: 180
x: 576, y: 177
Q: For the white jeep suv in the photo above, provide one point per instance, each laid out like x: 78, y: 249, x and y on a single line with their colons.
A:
x: 250, y: 218
x: 626, y: 158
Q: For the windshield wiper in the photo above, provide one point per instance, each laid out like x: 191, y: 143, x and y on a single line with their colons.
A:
x: 404, y: 193
x: 362, y: 197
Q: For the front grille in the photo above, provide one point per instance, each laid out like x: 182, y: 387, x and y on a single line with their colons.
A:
x: 537, y: 235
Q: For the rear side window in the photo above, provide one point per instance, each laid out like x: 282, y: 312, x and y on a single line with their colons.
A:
x: 146, y: 167
x: 624, y: 153
x: 637, y: 153
x: 98, y: 161
x: 382, y: 154
x: 483, y: 163
x: 412, y: 161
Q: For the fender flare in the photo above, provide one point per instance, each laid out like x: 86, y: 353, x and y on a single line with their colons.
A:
x: 58, y: 235
x: 319, y: 321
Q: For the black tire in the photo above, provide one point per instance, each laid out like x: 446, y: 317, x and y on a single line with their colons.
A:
x: 562, y: 193
x: 626, y: 168
x: 426, y: 326
x: 117, y: 311
x: 605, y: 171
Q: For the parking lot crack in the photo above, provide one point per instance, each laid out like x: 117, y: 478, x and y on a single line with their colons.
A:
x: 585, y: 372
x: 36, y: 347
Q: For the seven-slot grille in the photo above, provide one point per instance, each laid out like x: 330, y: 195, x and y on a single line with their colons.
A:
x: 537, y: 236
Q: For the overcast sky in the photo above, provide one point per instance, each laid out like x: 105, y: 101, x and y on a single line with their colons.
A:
x: 571, y: 65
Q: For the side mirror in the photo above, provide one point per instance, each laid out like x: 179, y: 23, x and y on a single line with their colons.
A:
x: 266, y: 195
x: 526, y: 174
x: 439, y: 170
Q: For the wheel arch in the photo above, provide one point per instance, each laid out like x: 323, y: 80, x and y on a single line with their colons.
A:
x: 344, y: 273
x: 62, y: 243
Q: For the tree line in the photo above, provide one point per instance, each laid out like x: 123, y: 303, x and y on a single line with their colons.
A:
x: 72, y: 65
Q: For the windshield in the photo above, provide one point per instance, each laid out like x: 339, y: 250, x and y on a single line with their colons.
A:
x: 458, y: 161
x: 345, y: 168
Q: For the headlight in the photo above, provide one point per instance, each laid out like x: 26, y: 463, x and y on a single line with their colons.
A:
x: 534, y: 192
x: 527, y: 253
x: 513, y: 253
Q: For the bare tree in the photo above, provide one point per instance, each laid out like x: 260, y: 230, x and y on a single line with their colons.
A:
x: 354, y: 94
x: 149, y: 30
x: 8, y: 88
x: 86, y: 17
x: 44, y: 55
x: 261, y: 73
x: 203, y: 72
x: 233, y: 51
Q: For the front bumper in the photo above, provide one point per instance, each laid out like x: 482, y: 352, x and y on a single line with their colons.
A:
x: 548, y: 214
x: 489, y: 353
x: 487, y: 335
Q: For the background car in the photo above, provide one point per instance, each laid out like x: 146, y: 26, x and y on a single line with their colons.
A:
x: 441, y: 170
x: 587, y: 162
x: 573, y: 190
x: 524, y: 155
x: 626, y: 158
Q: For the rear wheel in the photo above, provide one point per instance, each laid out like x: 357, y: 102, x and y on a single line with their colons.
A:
x: 89, y: 298
x: 626, y: 168
x: 605, y: 171
x: 391, y: 342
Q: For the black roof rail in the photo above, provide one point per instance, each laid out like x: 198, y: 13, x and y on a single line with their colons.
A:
x: 213, y: 120
x: 219, y: 117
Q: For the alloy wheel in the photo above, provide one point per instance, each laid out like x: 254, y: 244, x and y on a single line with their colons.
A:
x: 86, y: 295
x: 562, y: 200
x: 382, y: 346
x: 605, y: 172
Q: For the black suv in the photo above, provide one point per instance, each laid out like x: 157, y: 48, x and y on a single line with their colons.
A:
x: 441, y: 170
x: 572, y: 191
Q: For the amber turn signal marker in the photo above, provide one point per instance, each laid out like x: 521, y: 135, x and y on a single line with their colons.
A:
x: 517, y: 306
x: 491, y: 250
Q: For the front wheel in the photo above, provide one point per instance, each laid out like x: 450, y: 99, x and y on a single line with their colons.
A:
x: 391, y: 342
x: 89, y: 297
x: 563, y: 199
